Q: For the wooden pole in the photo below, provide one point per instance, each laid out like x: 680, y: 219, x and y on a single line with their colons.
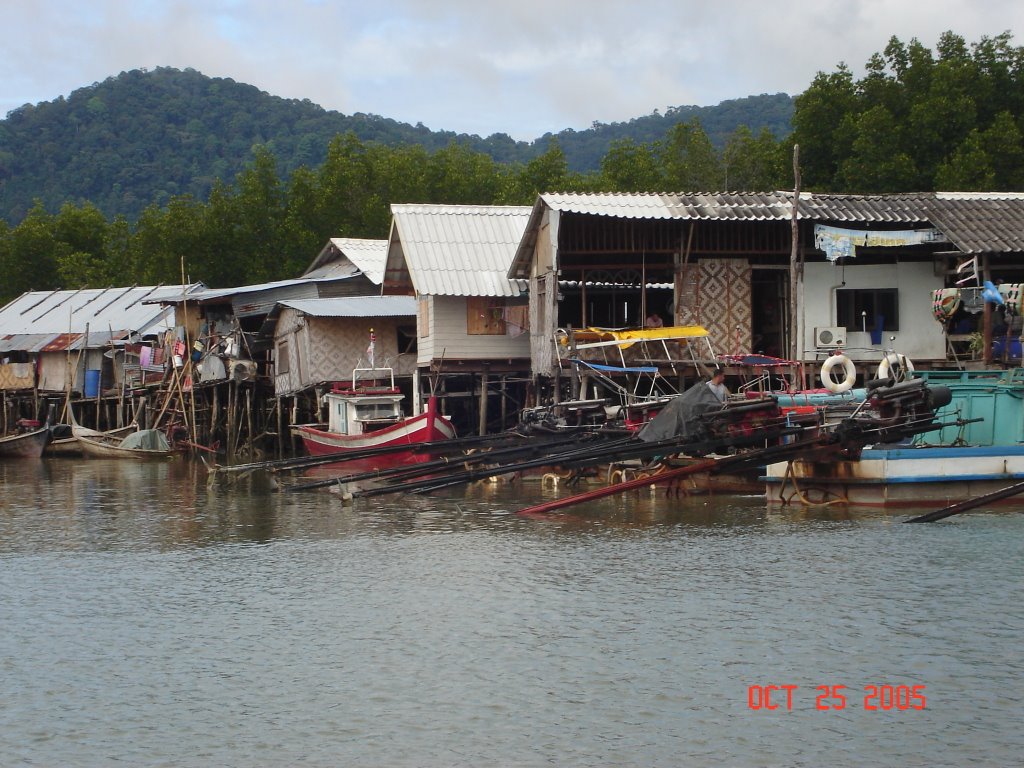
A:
x: 280, y: 428
x: 965, y: 506
x: 294, y: 420
x: 230, y: 437
x: 986, y: 321
x: 483, y: 404
x: 251, y: 438
x: 504, y: 404
x: 794, y: 266
x: 214, y: 411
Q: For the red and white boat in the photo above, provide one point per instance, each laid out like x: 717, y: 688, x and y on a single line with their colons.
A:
x: 363, y: 417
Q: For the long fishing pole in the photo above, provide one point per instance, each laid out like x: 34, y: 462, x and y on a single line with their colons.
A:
x: 429, y: 467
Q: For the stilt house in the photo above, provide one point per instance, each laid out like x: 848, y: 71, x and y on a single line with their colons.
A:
x: 860, y: 273
x: 471, y: 317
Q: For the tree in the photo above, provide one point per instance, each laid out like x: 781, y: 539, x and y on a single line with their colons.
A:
x: 753, y: 163
x: 689, y: 161
x: 821, y: 128
x: 30, y: 255
x: 548, y: 172
x: 968, y: 169
x: 81, y: 235
x: 876, y: 163
x: 631, y: 167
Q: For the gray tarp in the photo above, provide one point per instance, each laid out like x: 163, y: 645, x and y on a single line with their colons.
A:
x: 680, y: 417
x: 147, y: 439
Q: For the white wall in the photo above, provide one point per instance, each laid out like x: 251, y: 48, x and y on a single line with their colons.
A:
x: 919, y: 336
x: 449, y: 336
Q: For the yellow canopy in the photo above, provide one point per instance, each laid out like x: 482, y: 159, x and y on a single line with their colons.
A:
x: 624, y: 338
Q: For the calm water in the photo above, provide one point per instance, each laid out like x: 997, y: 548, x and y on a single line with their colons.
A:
x: 148, y: 621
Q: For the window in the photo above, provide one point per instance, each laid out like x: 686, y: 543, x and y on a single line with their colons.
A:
x: 485, y: 316
x: 423, y: 318
x: 859, y: 309
x: 407, y: 341
x: 281, y: 358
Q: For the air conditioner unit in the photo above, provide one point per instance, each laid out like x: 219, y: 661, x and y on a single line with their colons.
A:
x: 830, y: 337
x: 242, y: 370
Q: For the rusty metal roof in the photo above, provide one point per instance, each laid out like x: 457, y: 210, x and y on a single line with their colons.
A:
x: 455, y: 250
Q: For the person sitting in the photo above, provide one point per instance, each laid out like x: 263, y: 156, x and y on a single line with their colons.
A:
x: 717, y: 385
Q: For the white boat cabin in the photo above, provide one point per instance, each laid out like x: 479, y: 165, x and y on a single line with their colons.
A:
x: 358, y: 409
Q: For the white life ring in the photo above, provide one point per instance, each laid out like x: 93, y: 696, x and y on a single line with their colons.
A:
x: 848, y: 367
x: 906, y: 367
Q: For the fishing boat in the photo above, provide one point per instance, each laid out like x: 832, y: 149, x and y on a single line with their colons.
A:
x: 64, y: 442
x: 138, y: 445
x: 362, y: 416
x: 142, y: 445
x: 27, y: 444
x: 979, y: 450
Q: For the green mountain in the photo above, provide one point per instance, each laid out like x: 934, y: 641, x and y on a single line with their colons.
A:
x: 144, y: 136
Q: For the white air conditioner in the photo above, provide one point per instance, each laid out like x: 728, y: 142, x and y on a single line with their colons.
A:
x: 830, y: 337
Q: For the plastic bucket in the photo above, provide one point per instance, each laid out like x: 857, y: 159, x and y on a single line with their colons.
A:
x: 92, y: 383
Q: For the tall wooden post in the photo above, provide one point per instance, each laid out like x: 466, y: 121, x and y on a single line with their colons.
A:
x: 249, y: 423
x: 280, y: 427
x: 504, y: 399
x: 483, y: 403
x: 230, y: 433
x: 795, y: 273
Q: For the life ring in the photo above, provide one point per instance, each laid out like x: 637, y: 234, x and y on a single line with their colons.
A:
x: 848, y: 367
x: 902, y: 362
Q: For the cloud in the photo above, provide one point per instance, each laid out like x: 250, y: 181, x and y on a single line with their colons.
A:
x: 524, y: 68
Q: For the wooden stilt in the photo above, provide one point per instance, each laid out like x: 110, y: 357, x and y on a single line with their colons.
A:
x: 280, y: 427
x: 214, y: 412
x: 251, y: 438
x: 504, y: 401
x: 483, y: 404
x: 294, y: 420
x: 230, y: 437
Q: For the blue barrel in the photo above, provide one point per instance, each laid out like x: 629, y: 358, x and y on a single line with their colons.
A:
x: 92, y: 383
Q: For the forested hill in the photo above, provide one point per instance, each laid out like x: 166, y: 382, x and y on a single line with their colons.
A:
x: 145, y: 136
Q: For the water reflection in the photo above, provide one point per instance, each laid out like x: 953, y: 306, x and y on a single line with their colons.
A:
x: 150, y: 619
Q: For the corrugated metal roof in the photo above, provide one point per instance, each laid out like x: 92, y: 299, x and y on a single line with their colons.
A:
x: 642, y: 205
x: 58, y: 319
x: 332, y: 272
x: 980, y: 224
x: 26, y: 342
x: 456, y: 250
x: 369, y: 255
x: 356, y: 306
x: 750, y: 206
x: 975, y: 222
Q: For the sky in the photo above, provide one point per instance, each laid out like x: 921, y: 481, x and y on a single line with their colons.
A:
x: 521, y: 67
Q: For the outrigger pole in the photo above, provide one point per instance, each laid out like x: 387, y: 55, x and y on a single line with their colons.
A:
x: 966, y: 506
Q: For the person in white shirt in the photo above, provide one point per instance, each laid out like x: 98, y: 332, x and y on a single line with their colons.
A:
x: 717, y: 385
